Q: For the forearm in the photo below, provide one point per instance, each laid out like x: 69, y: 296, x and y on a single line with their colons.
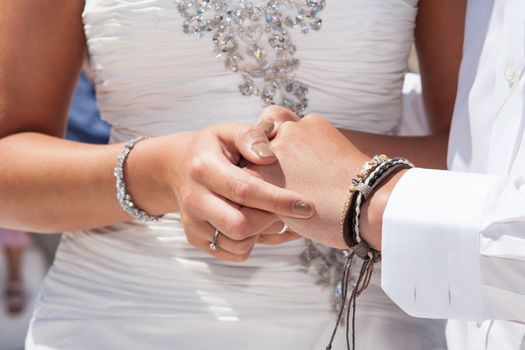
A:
x: 424, y: 151
x: 48, y: 184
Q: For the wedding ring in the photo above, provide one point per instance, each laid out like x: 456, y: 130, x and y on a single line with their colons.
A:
x: 284, y: 229
x: 213, y: 245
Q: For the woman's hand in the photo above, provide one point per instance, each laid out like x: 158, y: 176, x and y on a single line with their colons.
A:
x: 211, y: 191
x: 215, y: 192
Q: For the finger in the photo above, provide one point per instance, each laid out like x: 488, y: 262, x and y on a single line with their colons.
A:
x: 203, y: 231
x: 275, y: 239
x: 278, y: 228
x: 272, y: 117
x: 221, y: 254
x: 275, y: 228
x: 248, y: 141
x: 231, y: 220
x: 238, y: 186
x: 253, y: 144
x: 259, y: 220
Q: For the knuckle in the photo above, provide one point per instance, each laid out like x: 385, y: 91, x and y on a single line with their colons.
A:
x: 252, y: 134
x: 246, y: 130
x: 197, y: 168
x: 189, y: 199
x: 281, y: 114
x: 244, y: 247
x: 280, y: 203
x: 240, y: 190
x: 213, y: 130
x: 286, y: 128
x: 239, y: 228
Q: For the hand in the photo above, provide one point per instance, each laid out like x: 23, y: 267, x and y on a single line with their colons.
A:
x: 373, y: 209
x: 212, y: 191
x: 272, y: 117
x: 277, y: 234
x: 316, y: 160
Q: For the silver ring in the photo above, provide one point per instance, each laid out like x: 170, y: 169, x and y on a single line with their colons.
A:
x: 284, y: 229
x: 213, y: 245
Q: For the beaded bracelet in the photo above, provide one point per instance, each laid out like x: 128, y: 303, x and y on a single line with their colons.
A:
x: 363, y: 185
x: 371, y: 175
x: 366, y: 169
x: 124, y: 199
x: 376, y: 177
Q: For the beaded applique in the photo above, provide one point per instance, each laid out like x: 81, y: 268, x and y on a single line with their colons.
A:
x: 255, y: 42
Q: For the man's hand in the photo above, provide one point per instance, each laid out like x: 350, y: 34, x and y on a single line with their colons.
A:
x: 316, y: 160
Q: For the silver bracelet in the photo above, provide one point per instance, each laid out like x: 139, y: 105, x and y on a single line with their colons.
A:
x: 124, y: 199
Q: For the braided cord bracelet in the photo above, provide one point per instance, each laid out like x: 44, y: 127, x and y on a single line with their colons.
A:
x: 363, y: 185
x: 375, y: 178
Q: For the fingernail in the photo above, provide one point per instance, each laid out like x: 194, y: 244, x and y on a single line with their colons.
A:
x: 302, y: 208
x: 263, y: 150
x: 267, y: 125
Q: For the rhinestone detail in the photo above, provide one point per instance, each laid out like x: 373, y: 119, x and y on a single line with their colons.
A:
x: 255, y: 42
x: 124, y: 198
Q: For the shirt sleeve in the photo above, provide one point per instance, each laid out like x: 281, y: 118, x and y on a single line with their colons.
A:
x: 454, y: 245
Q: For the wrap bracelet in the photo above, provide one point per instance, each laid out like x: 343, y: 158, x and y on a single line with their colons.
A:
x: 375, y: 178
x: 372, y: 174
x: 356, y: 186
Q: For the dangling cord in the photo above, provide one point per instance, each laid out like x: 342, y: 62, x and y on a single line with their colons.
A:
x: 352, y: 303
x: 376, y: 256
x: 345, y: 281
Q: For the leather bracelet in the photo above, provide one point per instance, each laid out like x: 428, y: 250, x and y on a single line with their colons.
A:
x: 348, y: 207
x: 372, y: 174
x: 375, y: 178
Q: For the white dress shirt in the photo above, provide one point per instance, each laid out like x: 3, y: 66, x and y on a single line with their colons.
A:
x: 454, y: 241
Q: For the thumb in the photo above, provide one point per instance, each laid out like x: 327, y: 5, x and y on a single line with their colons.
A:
x: 254, y: 146
x: 272, y: 117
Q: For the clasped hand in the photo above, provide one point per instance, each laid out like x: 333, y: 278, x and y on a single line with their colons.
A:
x: 213, y: 191
x: 299, y: 179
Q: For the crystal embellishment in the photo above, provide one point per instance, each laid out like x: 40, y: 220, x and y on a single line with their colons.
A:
x: 255, y: 42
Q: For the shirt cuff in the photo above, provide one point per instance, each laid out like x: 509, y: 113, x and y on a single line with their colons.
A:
x: 430, y: 244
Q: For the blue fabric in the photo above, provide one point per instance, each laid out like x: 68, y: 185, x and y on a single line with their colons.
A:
x: 84, y: 124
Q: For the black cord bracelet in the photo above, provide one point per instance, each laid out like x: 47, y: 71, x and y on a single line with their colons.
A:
x: 376, y: 177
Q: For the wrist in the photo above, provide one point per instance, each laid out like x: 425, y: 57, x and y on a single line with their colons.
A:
x: 371, y: 220
x: 149, y: 177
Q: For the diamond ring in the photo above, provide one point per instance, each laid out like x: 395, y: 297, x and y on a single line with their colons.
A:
x: 213, y: 245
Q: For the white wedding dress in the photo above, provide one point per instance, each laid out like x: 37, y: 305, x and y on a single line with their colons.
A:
x: 134, y: 286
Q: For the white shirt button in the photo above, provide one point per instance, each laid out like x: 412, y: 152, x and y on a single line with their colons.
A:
x: 511, y: 75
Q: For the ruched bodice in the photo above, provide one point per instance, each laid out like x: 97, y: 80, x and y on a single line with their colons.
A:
x: 152, y: 78
x: 134, y: 286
